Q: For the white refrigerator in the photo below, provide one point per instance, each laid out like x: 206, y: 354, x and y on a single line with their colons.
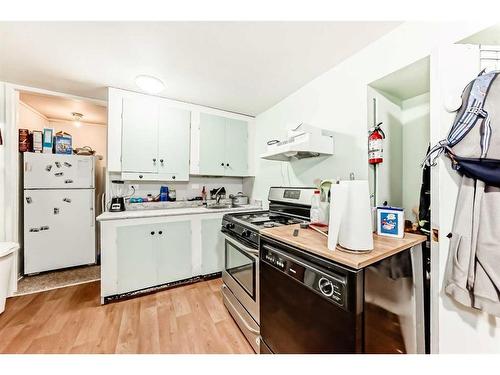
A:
x: 59, y: 211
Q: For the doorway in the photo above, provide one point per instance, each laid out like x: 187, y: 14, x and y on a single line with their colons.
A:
x: 400, y: 101
x: 83, y: 123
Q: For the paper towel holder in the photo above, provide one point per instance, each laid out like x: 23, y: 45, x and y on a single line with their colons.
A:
x: 350, y: 221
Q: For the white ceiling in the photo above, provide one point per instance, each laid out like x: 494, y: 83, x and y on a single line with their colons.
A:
x: 58, y: 108
x: 243, y: 67
x: 407, y: 82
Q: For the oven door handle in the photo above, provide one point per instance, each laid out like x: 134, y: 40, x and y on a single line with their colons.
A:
x: 247, y: 326
x: 243, y: 247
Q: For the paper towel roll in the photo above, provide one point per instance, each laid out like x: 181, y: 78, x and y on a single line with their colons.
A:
x: 338, y: 202
x: 355, y: 232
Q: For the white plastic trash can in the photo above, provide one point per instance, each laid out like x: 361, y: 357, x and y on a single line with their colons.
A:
x: 7, y: 250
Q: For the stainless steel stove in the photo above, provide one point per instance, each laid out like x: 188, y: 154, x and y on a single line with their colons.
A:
x: 287, y: 205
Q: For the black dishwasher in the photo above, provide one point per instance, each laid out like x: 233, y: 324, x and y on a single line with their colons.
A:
x: 308, y: 305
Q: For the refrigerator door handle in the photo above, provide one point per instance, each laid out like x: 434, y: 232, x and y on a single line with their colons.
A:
x: 103, y: 204
x: 92, y: 205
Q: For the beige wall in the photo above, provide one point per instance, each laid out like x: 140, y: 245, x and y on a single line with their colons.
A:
x: 30, y: 119
x: 93, y: 135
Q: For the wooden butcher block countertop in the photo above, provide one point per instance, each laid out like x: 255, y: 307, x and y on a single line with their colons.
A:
x: 314, y: 242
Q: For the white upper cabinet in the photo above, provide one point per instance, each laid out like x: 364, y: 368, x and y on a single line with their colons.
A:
x: 139, y: 135
x: 155, y: 140
x: 223, y: 146
x: 236, y: 147
x: 158, y: 139
x: 212, y: 144
x: 173, y: 142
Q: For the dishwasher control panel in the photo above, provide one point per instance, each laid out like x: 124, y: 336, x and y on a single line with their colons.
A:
x: 330, y: 285
x: 275, y: 260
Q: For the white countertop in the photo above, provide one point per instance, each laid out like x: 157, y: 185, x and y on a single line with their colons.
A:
x: 137, y: 214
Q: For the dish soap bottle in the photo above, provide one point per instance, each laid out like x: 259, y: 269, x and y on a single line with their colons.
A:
x: 315, y: 215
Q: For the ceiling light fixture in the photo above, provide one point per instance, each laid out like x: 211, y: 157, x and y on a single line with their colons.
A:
x: 77, y: 118
x: 149, y: 84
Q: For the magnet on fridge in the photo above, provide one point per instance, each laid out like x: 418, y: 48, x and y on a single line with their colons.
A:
x: 67, y: 200
x: 48, y: 168
x: 58, y: 165
x: 56, y: 210
x: 28, y: 200
x: 58, y: 174
x: 66, y: 164
x: 68, y: 181
x: 45, y: 227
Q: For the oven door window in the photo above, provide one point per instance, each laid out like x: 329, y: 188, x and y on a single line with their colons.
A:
x: 241, y: 266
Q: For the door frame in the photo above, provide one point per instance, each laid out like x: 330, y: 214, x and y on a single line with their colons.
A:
x: 12, y: 172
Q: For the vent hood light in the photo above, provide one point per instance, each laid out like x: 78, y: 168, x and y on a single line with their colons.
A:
x: 305, y: 141
x: 149, y: 84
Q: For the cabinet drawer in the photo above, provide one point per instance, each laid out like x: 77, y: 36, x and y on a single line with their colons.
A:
x: 155, y: 176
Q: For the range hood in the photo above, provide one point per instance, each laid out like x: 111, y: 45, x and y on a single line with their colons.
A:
x: 305, y: 141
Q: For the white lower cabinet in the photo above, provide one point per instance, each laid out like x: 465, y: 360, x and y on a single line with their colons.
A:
x: 212, y: 246
x: 174, y: 253
x: 136, y: 258
x: 146, y: 252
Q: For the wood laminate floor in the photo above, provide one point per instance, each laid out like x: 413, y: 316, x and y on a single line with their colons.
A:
x: 187, y: 319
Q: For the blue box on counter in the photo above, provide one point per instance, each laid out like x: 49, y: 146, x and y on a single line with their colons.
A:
x: 390, y: 221
x: 63, y: 144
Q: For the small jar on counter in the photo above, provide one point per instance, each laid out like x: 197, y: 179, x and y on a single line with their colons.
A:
x: 172, y: 196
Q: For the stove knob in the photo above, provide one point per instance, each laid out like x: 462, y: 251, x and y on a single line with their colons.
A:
x: 246, y: 233
x: 325, y: 286
x: 229, y: 226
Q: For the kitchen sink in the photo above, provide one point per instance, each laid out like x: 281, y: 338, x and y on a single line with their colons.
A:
x: 218, y: 206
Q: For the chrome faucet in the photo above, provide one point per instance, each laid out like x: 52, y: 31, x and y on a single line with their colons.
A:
x: 217, y: 196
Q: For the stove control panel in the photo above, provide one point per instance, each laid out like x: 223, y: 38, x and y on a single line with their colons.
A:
x: 240, y: 231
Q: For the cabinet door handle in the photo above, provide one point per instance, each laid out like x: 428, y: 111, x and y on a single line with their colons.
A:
x: 160, y: 232
x: 152, y: 233
x: 154, y: 160
x: 222, y: 164
x: 227, y: 165
x: 161, y: 161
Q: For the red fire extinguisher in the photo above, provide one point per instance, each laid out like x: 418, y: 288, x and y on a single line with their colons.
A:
x: 376, y: 145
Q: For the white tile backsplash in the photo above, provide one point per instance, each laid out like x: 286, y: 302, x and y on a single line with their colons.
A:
x: 186, y: 190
